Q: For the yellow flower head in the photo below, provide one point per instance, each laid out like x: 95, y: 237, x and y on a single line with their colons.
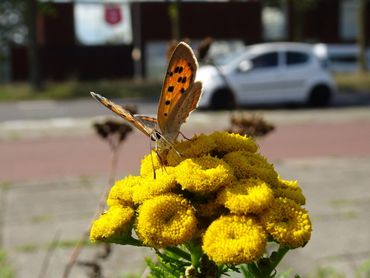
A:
x: 246, y: 196
x: 217, y: 144
x: 203, y: 175
x: 234, y: 240
x: 229, y: 142
x: 287, y: 223
x: 197, y: 146
x: 122, y: 190
x: 251, y: 165
x: 114, y: 223
x: 164, y: 182
x: 290, y: 190
x: 150, y: 163
x: 166, y: 220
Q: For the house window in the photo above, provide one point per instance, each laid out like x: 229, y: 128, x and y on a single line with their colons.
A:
x: 348, y: 19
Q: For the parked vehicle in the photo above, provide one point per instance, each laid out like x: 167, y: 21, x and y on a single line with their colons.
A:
x: 265, y: 74
x: 342, y: 58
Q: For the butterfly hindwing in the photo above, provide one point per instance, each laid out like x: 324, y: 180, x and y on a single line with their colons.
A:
x: 183, y: 108
x: 148, y: 121
x: 179, y: 77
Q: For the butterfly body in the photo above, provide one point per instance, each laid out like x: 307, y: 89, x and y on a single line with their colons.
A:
x: 179, y: 97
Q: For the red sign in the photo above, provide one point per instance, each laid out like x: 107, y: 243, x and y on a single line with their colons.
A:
x: 113, y: 14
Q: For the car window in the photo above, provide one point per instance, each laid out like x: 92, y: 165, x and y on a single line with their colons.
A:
x: 266, y: 60
x: 296, y: 58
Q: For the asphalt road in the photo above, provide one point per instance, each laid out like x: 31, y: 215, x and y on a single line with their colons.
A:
x: 81, y: 108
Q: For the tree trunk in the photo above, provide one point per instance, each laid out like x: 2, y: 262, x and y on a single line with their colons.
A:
x: 361, y: 37
x: 34, y: 73
x: 174, y: 11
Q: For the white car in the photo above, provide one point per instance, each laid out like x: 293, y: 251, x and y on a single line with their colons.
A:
x: 268, y: 73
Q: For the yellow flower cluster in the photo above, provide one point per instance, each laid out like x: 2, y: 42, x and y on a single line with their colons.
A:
x: 212, y: 188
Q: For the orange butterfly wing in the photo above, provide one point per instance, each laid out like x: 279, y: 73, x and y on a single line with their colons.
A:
x: 179, y: 78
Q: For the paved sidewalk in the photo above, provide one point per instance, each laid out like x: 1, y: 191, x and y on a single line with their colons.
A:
x: 50, y: 186
x: 63, y: 152
x: 337, y: 190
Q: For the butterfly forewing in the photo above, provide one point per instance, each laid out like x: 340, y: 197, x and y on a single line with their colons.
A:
x: 125, y: 114
x: 179, y: 77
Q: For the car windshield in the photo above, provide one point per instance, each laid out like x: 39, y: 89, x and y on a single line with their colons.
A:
x: 228, y: 58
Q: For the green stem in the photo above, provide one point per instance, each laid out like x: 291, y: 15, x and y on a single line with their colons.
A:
x: 195, y: 253
x: 253, y: 269
x: 181, y: 253
x: 127, y: 241
x: 275, y: 259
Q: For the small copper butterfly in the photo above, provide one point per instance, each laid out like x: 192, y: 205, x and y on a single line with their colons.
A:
x: 179, y: 97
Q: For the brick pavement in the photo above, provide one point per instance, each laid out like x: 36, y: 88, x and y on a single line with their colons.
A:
x: 53, y: 186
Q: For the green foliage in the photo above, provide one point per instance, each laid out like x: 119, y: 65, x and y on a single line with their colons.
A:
x: 364, y: 269
x: 74, y: 89
x: 169, y: 264
x: 326, y: 272
x: 353, y: 81
x: 5, y: 269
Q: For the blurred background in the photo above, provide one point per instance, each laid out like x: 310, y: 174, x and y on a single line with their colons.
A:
x: 292, y: 73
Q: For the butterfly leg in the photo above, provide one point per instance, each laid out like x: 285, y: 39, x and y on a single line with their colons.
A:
x: 183, y: 135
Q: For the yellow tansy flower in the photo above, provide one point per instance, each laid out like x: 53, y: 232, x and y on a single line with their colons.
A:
x: 164, y: 182
x: 116, y: 222
x: 229, y: 142
x: 290, y: 190
x: 287, y: 223
x: 203, y: 174
x: 166, y: 220
x: 251, y: 165
x: 246, y: 196
x: 122, y: 190
x: 234, y: 240
x: 197, y: 146
x: 150, y: 163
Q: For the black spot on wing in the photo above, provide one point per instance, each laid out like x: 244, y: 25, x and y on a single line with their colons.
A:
x: 180, y: 79
x: 167, y: 102
x: 179, y: 69
x: 182, y: 90
x: 165, y: 114
x: 170, y: 89
x: 183, y: 80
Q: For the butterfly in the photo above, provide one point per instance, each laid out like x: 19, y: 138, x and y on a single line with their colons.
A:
x: 179, y: 97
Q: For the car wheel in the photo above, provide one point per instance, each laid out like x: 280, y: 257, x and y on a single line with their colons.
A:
x: 223, y: 99
x: 320, y: 96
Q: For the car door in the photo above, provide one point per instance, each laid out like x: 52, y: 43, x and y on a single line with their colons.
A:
x: 296, y: 70
x: 256, y: 78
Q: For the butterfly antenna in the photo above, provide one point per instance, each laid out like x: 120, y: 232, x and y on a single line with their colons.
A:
x: 151, y: 157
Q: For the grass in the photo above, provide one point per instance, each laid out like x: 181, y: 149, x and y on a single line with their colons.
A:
x: 29, y: 248
x: 353, y: 81
x: 6, y: 270
x: 76, y: 89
